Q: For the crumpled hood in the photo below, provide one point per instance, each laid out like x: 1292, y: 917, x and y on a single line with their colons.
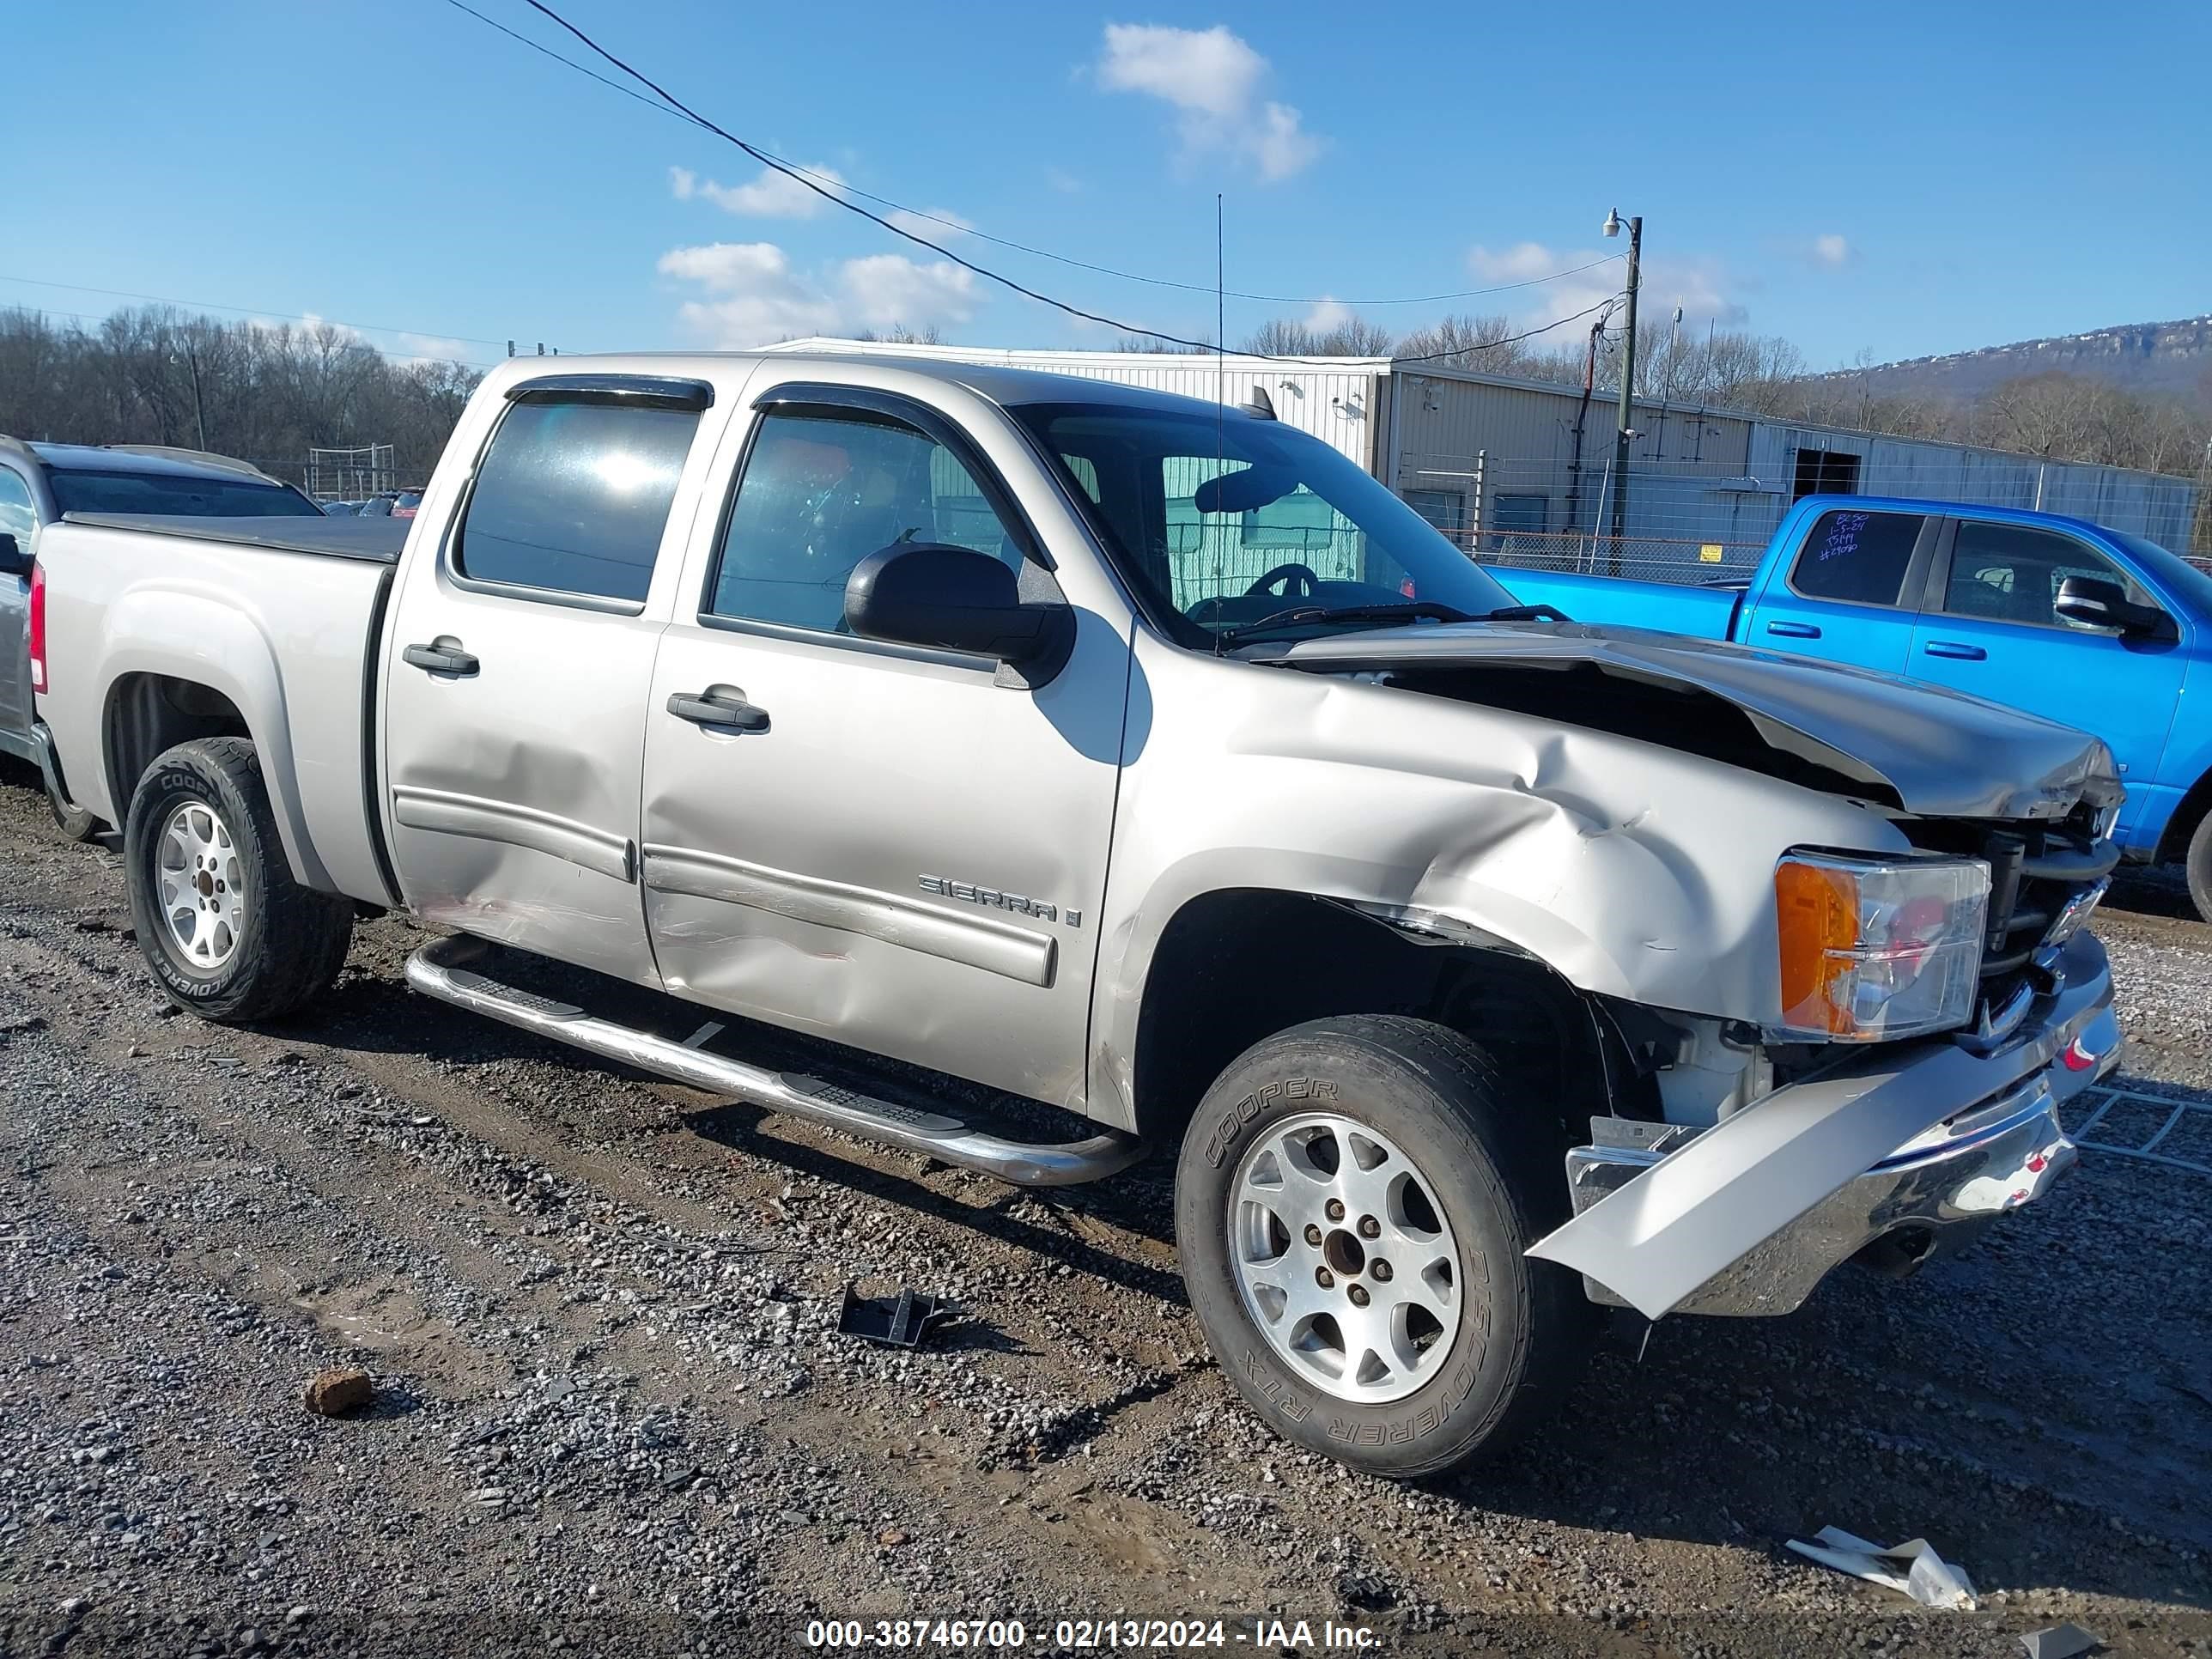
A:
x: 1941, y: 753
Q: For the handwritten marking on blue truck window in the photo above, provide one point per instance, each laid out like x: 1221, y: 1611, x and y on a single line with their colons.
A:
x: 1842, y: 536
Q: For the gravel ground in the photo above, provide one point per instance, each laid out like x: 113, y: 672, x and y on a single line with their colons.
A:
x: 613, y: 1412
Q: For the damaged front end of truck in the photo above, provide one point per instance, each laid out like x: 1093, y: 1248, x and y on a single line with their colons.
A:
x: 1856, y: 1050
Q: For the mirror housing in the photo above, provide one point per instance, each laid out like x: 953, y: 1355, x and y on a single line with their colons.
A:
x: 954, y: 599
x: 15, y: 559
x: 2093, y: 602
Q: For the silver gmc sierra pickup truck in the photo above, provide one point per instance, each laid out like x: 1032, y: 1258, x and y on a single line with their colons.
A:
x: 1148, y: 760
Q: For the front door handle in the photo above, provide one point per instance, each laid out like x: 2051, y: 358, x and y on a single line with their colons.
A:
x: 443, y: 655
x: 1955, y: 650
x: 722, y: 706
x: 1794, y: 630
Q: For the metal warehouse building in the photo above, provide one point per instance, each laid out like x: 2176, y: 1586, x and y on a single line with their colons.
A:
x: 1522, y: 471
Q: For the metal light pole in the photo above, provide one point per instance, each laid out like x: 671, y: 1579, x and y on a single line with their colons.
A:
x: 1627, y: 384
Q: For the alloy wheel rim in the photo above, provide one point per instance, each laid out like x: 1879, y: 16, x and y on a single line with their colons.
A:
x: 1344, y: 1258
x: 202, y: 886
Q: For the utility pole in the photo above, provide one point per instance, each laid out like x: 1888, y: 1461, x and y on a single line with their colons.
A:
x: 1627, y: 384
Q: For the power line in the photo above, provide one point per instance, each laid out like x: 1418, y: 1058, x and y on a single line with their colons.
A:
x: 252, y: 311
x: 825, y: 186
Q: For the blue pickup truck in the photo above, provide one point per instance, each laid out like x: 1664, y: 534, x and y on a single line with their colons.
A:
x: 2090, y: 627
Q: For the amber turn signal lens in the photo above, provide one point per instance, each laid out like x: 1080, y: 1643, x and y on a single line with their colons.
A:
x: 1818, y: 908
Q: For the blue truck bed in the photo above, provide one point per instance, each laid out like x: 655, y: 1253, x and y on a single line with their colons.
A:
x: 1706, y: 612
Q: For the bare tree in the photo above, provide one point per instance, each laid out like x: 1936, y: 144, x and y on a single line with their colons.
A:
x: 264, y: 394
x: 1284, y: 336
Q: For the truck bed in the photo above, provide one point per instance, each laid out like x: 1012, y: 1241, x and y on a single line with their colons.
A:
x: 1615, y: 601
x: 280, y: 618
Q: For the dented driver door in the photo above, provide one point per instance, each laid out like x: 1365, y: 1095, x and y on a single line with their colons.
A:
x: 890, y: 846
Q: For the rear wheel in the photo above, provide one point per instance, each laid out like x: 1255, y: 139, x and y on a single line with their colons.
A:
x: 1353, y: 1204
x: 226, y: 931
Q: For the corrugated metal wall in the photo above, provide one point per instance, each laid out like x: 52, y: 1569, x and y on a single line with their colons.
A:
x: 1706, y: 487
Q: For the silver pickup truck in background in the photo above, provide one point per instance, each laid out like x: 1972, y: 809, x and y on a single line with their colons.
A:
x: 1144, y: 760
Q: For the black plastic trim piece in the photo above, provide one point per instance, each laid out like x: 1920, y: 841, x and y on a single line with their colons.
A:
x: 665, y: 391
x: 372, y: 781
x: 330, y: 538
x: 2075, y: 864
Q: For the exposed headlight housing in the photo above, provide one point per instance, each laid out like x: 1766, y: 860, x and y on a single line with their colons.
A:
x: 1873, y: 950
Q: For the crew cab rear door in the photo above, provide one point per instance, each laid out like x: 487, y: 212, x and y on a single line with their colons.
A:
x: 519, y: 654
x: 1848, y: 591
x: 899, y: 848
x: 1990, y: 627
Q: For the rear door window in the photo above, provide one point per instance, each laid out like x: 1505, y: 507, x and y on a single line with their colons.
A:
x: 1857, y: 558
x: 573, y: 497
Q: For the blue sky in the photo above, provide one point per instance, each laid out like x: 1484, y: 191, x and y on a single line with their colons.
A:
x: 1896, y: 180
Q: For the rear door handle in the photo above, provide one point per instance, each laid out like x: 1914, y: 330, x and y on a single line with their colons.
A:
x: 1954, y: 649
x: 443, y: 655
x: 722, y: 706
x: 1794, y: 630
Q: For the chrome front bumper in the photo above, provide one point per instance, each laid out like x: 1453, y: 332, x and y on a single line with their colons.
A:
x: 1748, y: 1216
x: 1907, y: 1210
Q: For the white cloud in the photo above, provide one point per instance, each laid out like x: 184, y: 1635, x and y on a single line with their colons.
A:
x: 1213, y: 78
x: 1831, y: 250
x: 751, y: 296
x: 1063, y: 181
x: 885, y: 290
x: 939, y: 224
x: 773, y: 195
x: 754, y: 298
x: 1327, y: 315
x: 1700, y: 286
x: 439, y: 347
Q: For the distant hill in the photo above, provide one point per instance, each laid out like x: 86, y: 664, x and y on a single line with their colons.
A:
x: 2164, y: 359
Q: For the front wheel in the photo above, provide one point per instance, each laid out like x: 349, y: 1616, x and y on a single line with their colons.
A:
x: 1353, y: 1204
x: 227, y: 932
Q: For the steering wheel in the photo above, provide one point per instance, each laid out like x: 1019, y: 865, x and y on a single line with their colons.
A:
x: 1288, y: 582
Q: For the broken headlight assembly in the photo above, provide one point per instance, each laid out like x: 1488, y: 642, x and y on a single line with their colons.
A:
x: 1873, y: 950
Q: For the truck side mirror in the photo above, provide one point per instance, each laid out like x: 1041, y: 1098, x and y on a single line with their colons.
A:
x: 2094, y: 602
x: 953, y: 598
x: 14, y: 560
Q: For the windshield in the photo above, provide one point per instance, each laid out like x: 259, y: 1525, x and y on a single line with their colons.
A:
x: 2180, y: 577
x: 176, y: 494
x: 1221, y: 525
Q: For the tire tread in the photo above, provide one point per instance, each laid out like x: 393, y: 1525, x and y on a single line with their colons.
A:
x: 302, y: 934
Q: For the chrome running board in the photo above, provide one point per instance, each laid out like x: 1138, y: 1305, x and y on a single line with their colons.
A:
x: 439, y: 970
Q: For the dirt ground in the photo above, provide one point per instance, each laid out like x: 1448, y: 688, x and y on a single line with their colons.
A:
x: 614, y: 1415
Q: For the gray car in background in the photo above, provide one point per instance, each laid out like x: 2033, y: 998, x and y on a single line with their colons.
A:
x: 40, y: 482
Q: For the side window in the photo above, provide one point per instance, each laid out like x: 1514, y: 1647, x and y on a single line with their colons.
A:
x: 2010, y: 573
x: 822, y: 492
x: 1860, y: 558
x: 18, y: 516
x: 572, y: 497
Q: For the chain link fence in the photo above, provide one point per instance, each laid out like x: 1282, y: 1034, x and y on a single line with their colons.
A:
x: 1696, y: 521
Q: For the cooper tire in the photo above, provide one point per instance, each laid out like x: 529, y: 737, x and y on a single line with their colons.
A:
x: 229, y: 934
x: 1489, y: 1166
x: 2199, y: 867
